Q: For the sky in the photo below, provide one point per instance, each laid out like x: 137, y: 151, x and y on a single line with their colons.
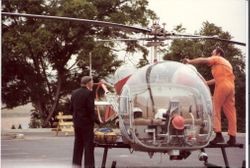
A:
x: 230, y: 15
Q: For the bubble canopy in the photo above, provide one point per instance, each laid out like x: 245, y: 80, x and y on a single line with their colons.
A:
x: 155, y: 94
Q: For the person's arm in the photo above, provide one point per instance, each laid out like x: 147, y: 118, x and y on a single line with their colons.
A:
x: 210, y: 82
x: 199, y: 60
x: 91, y: 107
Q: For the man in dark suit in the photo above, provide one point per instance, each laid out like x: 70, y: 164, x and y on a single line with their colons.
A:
x: 83, y: 109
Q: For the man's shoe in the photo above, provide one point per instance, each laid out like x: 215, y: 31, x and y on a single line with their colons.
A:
x: 218, y: 139
x: 232, y: 140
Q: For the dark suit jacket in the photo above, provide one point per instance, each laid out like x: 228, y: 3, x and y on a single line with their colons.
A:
x: 82, y: 107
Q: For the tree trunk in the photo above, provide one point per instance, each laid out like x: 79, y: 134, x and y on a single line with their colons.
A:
x: 57, y: 97
x: 46, y: 79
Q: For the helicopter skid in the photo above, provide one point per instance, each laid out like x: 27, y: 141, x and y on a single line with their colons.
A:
x: 174, y: 153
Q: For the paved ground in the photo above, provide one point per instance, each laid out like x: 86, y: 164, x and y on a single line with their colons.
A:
x: 42, y: 148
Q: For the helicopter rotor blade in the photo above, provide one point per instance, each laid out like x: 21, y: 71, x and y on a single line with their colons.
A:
x: 185, y: 36
x: 85, y: 21
x: 132, y: 39
x: 153, y: 31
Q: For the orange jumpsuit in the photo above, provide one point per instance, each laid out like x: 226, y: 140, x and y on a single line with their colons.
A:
x: 224, y: 93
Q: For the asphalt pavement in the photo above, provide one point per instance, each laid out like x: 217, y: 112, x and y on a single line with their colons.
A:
x: 38, y: 148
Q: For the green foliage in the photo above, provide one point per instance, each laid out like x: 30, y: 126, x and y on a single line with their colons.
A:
x: 43, y: 60
x: 180, y: 49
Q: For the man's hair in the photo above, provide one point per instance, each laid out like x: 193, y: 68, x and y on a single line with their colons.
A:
x: 85, y: 80
x: 220, y: 51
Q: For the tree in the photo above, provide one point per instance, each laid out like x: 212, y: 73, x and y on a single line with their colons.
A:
x: 180, y: 49
x: 43, y: 60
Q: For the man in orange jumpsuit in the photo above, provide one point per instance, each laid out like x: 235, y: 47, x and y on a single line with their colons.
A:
x: 224, y: 93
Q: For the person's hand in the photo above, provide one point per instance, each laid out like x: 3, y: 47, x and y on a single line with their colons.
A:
x: 186, y: 61
x: 97, y: 121
x: 102, y: 81
x: 101, y: 125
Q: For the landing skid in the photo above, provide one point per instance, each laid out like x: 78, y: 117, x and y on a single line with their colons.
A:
x: 105, y: 152
x: 223, y: 147
x: 122, y: 145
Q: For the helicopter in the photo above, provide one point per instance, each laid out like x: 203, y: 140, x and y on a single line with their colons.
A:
x: 164, y: 106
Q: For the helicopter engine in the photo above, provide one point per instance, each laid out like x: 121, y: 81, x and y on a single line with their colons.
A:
x: 166, y: 107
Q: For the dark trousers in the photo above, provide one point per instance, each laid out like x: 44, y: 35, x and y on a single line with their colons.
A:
x: 84, y: 142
